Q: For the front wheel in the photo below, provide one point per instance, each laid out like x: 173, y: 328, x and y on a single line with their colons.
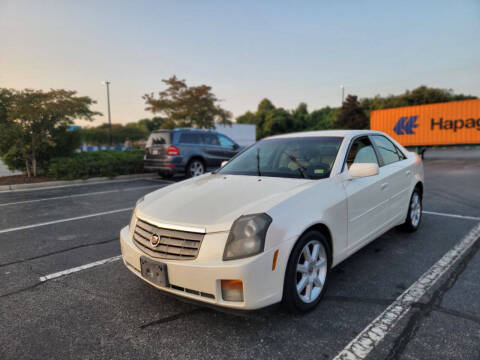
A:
x: 307, y: 272
x: 414, y: 215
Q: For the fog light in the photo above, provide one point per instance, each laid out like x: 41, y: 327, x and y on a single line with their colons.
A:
x: 232, y: 290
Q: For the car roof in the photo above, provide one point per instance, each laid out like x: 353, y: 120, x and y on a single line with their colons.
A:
x: 326, y: 133
x: 185, y: 129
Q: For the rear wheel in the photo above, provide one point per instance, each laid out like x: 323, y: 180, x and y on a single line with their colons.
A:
x: 414, y: 215
x: 307, y: 272
x: 195, y: 167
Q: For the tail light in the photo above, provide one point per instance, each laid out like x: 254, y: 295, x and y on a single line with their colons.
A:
x: 173, y: 150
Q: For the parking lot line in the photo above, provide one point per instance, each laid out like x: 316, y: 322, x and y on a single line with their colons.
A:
x: 64, y: 220
x: 79, y: 195
x: 452, y: 215
x: 79, y: 268
x: 365, y: 342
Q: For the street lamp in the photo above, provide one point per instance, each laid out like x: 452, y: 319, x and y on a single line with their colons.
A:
x: 107, y: 83
x: 343, y: 92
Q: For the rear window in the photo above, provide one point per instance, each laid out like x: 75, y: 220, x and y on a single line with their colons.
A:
x: 190, y: 138
x: 156, y: 139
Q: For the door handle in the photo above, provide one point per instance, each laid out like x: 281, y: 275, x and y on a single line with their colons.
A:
x: 383, y: 186
x: 408, y: 172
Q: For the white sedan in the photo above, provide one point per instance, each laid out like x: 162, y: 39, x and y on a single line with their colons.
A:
x: 271, y: 223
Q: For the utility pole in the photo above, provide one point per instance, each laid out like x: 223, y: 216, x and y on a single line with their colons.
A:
x: 109, y: 118
x: 343, y: 93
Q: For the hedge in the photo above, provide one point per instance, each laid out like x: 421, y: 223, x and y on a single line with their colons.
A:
x: 98, y: 163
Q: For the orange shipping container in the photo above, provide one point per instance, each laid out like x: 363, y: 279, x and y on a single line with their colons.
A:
x: 451, y: 123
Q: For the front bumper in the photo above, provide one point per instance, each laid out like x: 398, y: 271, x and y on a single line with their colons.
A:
x: 200, y: 279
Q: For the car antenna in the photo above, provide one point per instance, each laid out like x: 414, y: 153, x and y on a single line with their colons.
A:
x: 258, y: 161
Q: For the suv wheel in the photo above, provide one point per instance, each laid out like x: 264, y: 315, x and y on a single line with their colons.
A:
x: 307, y: 272
x: 195, y: 168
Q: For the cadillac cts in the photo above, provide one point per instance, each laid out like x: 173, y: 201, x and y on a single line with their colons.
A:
x: 270, y: 224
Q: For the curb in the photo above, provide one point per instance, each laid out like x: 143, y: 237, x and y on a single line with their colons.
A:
x: 61, y: 183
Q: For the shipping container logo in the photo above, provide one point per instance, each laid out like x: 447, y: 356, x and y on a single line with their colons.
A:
x: 405, y: 125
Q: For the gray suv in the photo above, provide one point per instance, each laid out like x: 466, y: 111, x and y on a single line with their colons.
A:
x: 187, y: 151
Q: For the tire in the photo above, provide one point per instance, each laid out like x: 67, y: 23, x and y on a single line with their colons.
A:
x: 299, y: 268
x: 414, y: 214
x: 195, y: 167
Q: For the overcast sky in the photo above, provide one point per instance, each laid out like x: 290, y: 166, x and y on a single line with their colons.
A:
x: 287, y: 51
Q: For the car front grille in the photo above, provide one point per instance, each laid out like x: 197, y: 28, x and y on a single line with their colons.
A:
x: 174, y: 244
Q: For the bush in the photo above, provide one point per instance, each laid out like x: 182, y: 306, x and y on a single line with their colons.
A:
x: 98, y: 163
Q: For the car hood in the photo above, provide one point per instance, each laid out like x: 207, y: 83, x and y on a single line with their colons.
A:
x: 212, y: 201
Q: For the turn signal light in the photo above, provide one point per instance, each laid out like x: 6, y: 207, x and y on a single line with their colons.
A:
x: 232, y: 290
x: 173, y: 150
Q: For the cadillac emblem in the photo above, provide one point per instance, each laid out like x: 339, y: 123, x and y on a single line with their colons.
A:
x: 155, y: 240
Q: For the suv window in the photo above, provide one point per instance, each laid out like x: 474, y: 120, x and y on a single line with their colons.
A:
x: 225, y: 142
x: 210, y: 139
x: 158, y: 138
x: 389, y: 153
x: 190, y: 138
x: 361, y: 151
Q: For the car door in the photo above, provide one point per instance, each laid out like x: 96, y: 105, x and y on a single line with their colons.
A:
x: 229, y: 148
x: 397, y: 177
x: 366, y: 196
x: 213, y: 151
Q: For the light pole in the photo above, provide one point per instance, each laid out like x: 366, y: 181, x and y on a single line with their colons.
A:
x: 108, y: 104
x: 343, y: 93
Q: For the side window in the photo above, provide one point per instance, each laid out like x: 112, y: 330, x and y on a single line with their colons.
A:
x: 190, y: 138
x: 225, y: 142
x: 211, y: 139
x: 361, y: 151
x: 387, y: 150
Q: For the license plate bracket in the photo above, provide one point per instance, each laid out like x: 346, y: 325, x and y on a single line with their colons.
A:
x: 154, y: 271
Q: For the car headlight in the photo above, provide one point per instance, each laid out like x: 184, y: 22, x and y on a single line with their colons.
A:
x: 247, y: 236
x: 133, y: 218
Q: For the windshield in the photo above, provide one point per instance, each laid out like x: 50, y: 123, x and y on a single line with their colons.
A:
x: 158, y: 138
x: 300, y: 157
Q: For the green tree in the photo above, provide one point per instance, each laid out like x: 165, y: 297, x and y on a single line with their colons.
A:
x: 152, y: 124
x: 323, y: 119
x: 99, y: 135
x: 301, y: 117
x: 277, y: 121
x: 187, y: 106
x: 32, y: 120
x: 352, y: 115
x: 418, y: 96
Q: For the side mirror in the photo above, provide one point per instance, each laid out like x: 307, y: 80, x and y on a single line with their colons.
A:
x: 363, y: 170
x: 235, y: 146
x: 224, y: 163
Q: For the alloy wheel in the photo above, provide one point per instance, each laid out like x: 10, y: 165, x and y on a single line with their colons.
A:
x: 196, y: 168
x: 415, y: 209
x: 311, y: 271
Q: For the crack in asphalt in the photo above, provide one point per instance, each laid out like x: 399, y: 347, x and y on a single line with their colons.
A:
x: 433, y: 304
x: 22, y: 290
x: 173, y: 317
x: 57, y: 252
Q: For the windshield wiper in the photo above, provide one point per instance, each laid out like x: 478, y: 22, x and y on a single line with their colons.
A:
x: 258, y: 162
x: 301, y: 168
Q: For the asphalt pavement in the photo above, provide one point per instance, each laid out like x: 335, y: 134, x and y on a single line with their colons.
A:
x: 106, y: 312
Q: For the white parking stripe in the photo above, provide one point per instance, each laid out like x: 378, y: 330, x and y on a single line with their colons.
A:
x: 79, y: 268
x: 364, y: 343
x: 452, y: 215
x: 80, y: 195
x: 64, y: 220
